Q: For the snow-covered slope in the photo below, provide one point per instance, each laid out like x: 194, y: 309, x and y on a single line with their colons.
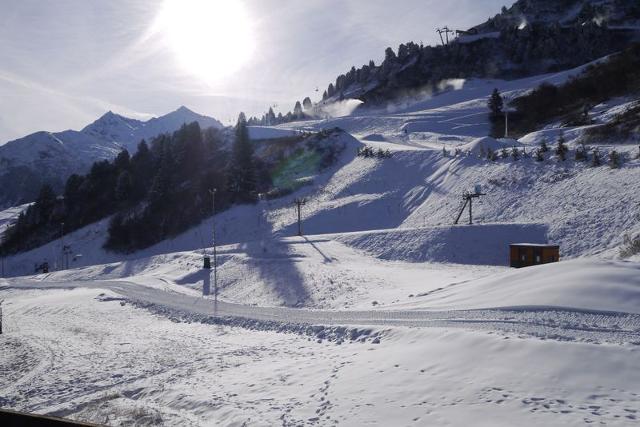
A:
x: 402, y: 208
x: 46, y: 157
x: 433, y: 328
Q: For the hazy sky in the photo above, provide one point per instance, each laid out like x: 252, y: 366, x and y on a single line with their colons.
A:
x: 66, y: 62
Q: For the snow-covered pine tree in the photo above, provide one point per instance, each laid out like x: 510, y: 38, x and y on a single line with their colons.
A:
x: 561, y: 148
x: 614, y: 159
x: 595, y: 158
x: 515, y: 153
x: 539, y: 156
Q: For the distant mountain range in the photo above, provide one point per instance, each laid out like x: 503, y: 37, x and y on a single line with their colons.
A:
x: 45, y: 157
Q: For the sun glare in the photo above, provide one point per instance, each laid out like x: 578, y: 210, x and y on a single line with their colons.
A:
x: 211, y: 38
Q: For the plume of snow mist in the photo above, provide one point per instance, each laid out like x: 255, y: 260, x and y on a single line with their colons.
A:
x: 523, y: 23
x: 340, y: 108
x: 599, y: 19
x: 451, y: 84
x: 407, y: 98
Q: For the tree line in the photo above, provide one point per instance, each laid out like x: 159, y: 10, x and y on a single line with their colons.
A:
x: 572, y: 101
x: 160, y: 191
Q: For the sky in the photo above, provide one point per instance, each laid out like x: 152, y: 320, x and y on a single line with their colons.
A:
x: 66, y: 62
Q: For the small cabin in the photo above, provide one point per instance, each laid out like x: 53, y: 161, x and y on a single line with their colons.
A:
x: 529, y: 254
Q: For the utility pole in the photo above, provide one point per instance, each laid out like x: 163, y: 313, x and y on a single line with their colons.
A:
x: 506, y: 123
x: 299, y: 203
x: 215, y: 251
x: 62, y: 245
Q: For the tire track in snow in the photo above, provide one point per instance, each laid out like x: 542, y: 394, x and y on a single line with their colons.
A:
x: 562, y: 324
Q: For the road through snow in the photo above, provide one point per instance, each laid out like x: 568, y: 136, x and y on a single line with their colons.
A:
x: 556, y: 323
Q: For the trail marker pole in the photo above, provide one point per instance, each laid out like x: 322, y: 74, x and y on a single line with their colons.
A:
x: 1, y: 301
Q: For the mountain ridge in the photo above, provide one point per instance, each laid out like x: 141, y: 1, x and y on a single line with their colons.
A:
x: 50, y: 157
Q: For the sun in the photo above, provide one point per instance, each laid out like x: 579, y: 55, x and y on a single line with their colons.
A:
x: 211, y: 38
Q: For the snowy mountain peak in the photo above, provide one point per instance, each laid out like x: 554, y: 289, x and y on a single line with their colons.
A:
x: 110, y: 120
x: 51, y: 157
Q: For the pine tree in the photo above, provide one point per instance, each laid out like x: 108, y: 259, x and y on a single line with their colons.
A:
x: 595, y: 158
x: 44, y: 204
x: 331, y: 90
x: 124, y: 186
x: 297, y: 110
x: 122, y: 160
x: 561, y: 149
x: 544, y: 148
x: 515, y: 153
x: 581, y: 153
x: 539, y: 156
x: 504, y: 153
x: 445, y: 152
x: 307, y: 104
x: 72, y: 190
x: 161, y: 185
x: 242, y: 174
x: 496, y: 103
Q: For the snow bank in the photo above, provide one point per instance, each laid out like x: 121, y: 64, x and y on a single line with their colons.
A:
x: 584, y: 284
x: 477, y: 244
x: 480, y: 146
